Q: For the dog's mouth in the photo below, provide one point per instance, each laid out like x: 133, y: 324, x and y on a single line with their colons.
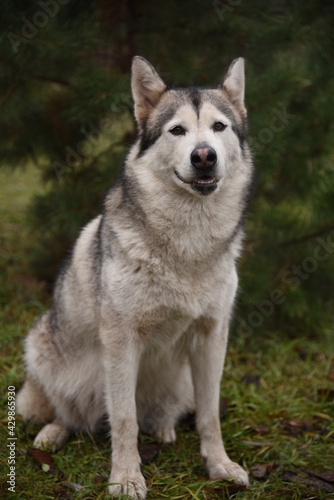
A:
x: 204, y: 184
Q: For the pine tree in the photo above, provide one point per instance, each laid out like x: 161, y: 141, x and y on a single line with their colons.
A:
x: 66, y: 107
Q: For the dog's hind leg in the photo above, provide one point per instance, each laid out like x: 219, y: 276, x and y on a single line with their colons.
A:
x: 34, y: 407
x: 52, y: 436
x: 32, y: 404
x: 37, y: 401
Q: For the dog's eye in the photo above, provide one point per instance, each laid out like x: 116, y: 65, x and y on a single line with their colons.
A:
x: 219, y: 127
x: 177, y: 130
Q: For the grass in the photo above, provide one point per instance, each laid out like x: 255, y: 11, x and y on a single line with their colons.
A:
x: 278, y: 393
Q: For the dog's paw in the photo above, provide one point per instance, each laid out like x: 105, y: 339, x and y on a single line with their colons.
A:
x: 229, y: 470
x: 169, y: 435
x: 131, y: 485
x: 166, y: 434
x: 51, y: 437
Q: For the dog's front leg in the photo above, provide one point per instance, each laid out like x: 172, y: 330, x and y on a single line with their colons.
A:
x: 121, y: 360
x: 207, y: 360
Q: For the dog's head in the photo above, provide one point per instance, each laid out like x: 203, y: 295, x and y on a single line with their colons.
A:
x: 191, y: 137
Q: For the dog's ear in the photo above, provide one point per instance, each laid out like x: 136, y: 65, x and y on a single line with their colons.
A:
x: 234, y: 83
x: 147, y: 88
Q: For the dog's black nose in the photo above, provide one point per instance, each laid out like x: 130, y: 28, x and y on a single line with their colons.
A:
x: 203, y: 157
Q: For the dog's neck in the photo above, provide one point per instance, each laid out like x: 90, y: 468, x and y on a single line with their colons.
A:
x: 190, y: 225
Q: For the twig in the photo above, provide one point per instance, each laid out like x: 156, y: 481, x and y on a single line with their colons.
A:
x: 309, y: 236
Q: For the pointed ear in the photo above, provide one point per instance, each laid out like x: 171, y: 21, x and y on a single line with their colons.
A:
x: 234, y: 82
x: 147, y: 88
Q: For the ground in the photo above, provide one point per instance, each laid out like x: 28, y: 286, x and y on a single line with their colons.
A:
x: 277, y: 403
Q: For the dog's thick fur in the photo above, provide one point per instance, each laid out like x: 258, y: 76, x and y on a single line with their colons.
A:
x: 138, y: 327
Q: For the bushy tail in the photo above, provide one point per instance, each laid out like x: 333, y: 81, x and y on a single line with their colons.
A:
x: 32, y: 404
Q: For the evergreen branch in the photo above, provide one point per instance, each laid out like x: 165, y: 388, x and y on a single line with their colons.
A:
x: 9, y: 92
x: 45, y: 78
x: 309, y: 236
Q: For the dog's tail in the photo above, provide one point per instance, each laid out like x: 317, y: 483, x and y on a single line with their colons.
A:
x: 32, y: 404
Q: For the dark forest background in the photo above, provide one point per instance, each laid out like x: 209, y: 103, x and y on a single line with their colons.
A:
x: 66, y: 108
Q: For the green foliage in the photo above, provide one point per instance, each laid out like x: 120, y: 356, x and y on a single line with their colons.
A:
x: 58, y: 83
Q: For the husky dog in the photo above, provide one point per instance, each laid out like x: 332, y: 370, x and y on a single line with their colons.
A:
x: 138, y: 326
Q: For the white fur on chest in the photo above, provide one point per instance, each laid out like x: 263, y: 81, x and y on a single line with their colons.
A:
x: 160, y: 298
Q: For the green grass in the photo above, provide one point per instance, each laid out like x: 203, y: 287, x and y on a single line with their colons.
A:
x: 285, y: 416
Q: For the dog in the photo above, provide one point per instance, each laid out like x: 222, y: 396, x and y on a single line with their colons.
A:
x: 137, y: 331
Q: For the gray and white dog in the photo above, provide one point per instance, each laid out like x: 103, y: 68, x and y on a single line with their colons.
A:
x: 138, y: 327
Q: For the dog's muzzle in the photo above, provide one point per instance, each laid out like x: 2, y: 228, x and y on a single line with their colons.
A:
x: 203, y: 159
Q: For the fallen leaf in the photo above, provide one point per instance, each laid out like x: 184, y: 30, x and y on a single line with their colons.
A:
x: 99, y: 480
x: 262, y: 471
x: 257, y: 443
x: 61, y: 493
x: 297, y: 427
x: 276, y: 415
x: 41, y: 456
x: 46, y: 467
x: 262, y: 429
x: 45, y: 460
x: 292, y: 426
x: 327, y: 475
x: 259, y: 470
x: 314, y: 482
x: 149, y: 452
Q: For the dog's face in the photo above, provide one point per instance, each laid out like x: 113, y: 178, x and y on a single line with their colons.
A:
x: 189, y: 137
